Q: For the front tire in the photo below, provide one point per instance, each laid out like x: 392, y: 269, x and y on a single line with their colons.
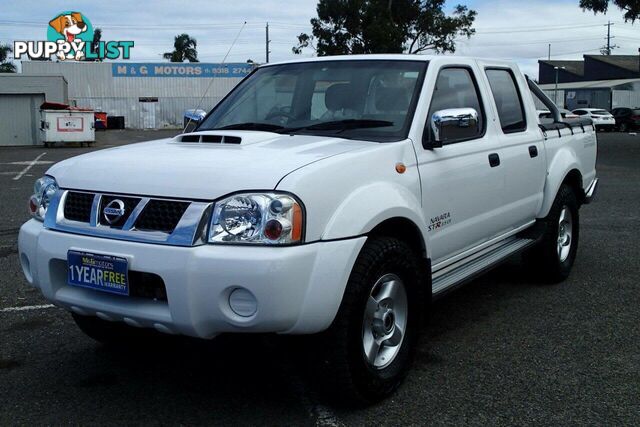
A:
x: 554, y: 255
x: 368, y: 349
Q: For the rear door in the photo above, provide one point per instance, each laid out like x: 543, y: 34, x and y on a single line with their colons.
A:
x: 521, y: 147
x: 461, y: 191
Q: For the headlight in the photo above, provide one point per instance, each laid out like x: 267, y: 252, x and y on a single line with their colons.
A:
x: 257, y: 218
x: 43, y: 191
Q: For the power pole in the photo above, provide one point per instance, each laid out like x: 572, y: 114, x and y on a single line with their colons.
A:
x: 609, y: 48
x: 266, y: 43
x: 549, y: 57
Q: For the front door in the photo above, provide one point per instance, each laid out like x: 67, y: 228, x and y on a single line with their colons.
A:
x: 462, y: 188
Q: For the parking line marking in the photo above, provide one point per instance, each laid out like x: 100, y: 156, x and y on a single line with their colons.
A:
x: 26, y: 308
x: 323, y: 416
x: 29, y: 166
x: 28, y: 162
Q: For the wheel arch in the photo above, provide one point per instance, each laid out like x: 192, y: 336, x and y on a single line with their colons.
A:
x: 563, y: 170
x: 403, y: 229
x: 574, y: 180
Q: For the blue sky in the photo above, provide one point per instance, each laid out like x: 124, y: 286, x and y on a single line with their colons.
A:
x: 505, y: 29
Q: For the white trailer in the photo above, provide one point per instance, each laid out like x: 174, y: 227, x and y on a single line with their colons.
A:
x: 69, y: 125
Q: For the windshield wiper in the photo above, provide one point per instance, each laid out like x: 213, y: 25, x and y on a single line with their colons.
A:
x: 268, y: 127
x: 341, y: 125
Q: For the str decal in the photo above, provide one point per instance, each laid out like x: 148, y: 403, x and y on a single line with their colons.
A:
x: 440, y: 221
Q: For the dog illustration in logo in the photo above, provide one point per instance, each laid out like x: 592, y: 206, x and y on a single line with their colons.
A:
x: 69, y: 26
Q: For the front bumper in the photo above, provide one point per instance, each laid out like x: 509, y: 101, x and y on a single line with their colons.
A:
x: 298, y: 289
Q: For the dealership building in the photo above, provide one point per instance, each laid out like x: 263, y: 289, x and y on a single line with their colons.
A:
x: 596, y: 81
x: 147, y: 95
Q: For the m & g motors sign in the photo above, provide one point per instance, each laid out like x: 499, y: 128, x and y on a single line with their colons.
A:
x: 169, y: 69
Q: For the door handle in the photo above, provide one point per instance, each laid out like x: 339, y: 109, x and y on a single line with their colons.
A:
x: 533, y: 151
x: 494, y: 160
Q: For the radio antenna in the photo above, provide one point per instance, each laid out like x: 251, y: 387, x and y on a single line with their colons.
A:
x: 211, y: 81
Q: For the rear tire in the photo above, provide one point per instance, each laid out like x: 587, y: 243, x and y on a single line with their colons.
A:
x: 623, y: 127
x: 554, y: 255
x: 368, y: 349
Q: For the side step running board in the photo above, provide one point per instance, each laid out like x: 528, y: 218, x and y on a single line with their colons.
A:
x: 468, y: 268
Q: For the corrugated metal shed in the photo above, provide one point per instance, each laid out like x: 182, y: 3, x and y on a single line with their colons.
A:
x: 53, y: 87
x: 149, y: 102
x: 596, y: 84
x: 606, y: 94
x: 19, y: 119
x: 20, y: 100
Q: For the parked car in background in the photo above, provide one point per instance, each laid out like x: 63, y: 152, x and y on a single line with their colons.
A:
x: 566, y: 114
x: 546, y: 116
x: 602, y: 119
x: 626, y: 118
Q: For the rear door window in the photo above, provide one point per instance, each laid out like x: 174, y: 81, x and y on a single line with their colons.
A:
x: 508, y: 100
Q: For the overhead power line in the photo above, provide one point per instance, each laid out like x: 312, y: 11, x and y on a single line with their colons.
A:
x: 480, y: 31
x: 219, y: 25
x: 563, y: 53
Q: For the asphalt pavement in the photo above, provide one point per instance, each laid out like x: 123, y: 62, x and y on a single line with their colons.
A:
x: 503, y: 350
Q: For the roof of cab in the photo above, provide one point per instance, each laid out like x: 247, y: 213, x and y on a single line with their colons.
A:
x: 392, y: 57
x: 386, y: 56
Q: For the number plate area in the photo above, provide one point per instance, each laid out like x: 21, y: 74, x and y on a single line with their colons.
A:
x: 104, y: 273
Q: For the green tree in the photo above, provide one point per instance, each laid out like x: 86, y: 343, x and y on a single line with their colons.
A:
x: 631, y: 8
x: 5, y: 65
x: 184, y: 49
x: 40, y: 58
x: 95, y: 42
x: 385, y: 26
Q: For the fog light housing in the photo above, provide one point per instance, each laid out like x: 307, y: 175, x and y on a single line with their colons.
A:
x: 242, y: 302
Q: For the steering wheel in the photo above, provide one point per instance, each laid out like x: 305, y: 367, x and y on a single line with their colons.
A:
x: 279, y: 113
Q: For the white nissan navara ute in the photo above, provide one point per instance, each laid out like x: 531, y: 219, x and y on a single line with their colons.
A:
x: 333, y: 196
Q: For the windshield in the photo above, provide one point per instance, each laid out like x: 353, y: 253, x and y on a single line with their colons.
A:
x: 359, y: 99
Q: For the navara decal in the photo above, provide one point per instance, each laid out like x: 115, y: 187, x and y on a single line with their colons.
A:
x: 439, y: 221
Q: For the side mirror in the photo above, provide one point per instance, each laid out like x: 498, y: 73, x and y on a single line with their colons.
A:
x: 451, y: 124
x: 190, y: 126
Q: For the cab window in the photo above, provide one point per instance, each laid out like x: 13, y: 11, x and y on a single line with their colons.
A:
x: 508, y: 100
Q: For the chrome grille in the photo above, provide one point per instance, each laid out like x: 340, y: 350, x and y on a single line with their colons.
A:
x: 145, y: 219
x: 161, y: 215
x: 78, y: 206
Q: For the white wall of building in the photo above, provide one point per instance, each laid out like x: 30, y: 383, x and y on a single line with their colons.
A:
x: 625, y: 98
x: 96, y: 85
